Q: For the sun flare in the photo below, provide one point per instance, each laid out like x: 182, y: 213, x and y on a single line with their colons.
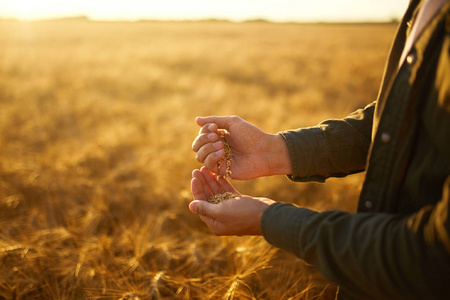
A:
x: 285, y: 10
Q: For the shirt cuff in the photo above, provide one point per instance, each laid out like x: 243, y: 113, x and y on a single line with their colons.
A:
x: 281, y: 224
x: 308, y: 154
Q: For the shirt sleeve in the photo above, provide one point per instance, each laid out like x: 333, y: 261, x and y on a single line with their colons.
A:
x: 334, y: 148
x: 370, y: 255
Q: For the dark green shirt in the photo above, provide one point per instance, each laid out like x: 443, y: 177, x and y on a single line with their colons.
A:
x: 397, y: 246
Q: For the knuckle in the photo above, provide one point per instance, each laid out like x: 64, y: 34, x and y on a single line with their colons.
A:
x: 235, y: 118
x: 196, y: 144
x: 216, y: 230
x: 210, y: 163
x: 201, y: 210
x: 205, y: 128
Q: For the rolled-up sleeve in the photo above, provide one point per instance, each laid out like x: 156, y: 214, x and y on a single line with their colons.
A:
x: 370, y: 255
x: 334, y: 148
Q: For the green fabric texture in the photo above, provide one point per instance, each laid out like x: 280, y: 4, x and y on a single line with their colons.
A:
x: 397, y: 246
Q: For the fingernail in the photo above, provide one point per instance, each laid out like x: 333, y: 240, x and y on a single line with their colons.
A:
x: 219, y: 152
x: 193, y: 206
x: 211, y: 127
x: 217, y: 145
x: 212, y: 136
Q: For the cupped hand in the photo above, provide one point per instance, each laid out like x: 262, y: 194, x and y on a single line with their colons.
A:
x: 237, y: 216
x: 255, y: 153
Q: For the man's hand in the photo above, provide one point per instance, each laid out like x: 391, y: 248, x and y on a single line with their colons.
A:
x: 236, y: 216
x: 255, y: 153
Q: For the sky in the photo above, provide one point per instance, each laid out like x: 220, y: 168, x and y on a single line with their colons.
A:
x: 235, y: 10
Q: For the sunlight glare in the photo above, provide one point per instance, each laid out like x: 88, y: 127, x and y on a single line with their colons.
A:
x: 237, y: 10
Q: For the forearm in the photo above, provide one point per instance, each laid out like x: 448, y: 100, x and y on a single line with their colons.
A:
x: 374, y: 256
x: 334, y: 148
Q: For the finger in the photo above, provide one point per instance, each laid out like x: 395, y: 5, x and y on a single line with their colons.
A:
x: 207, y: 149
x: 207, y: 128
x: 203, y: 208
x: 226, y: 185
x: 212, y: 159
x: 214, y: 225
x: 211, y: 181
x: 199, y: 187
x: 222, y: 122
x: 203, y: 139
x: 197, y: 190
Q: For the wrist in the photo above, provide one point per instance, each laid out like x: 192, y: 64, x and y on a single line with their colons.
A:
x: 277, y: 155
x: 264, y: 203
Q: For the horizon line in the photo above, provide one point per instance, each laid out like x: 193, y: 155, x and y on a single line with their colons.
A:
x: 392, y: 20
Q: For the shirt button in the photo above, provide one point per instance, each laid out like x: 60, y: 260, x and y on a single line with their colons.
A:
x: 385, y: 137
x: 411, y: 59
x: 368, y: 204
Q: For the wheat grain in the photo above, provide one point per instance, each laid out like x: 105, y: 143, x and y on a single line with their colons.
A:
x: 227, y: 157
x: 219, y: 198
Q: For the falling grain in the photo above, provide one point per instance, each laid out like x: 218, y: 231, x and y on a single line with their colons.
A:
x: 227, y: 157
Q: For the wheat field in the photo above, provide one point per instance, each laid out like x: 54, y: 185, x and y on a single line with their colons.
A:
x: 96, y: 127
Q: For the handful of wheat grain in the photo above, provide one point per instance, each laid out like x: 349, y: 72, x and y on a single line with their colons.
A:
x: 227, y: 157
x: 219, y: 198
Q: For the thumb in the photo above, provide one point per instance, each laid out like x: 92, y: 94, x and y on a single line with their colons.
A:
x: 202, y: 208
x: 222, y: 122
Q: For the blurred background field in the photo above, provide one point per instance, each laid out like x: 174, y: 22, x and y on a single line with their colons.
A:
x: 96, y: 126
